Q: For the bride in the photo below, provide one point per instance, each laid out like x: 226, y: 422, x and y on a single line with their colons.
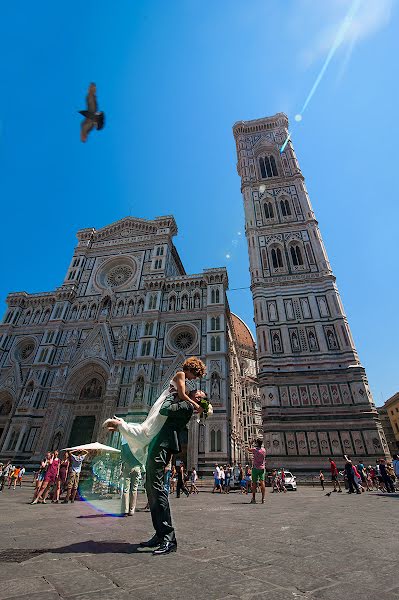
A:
x: 181, y: 387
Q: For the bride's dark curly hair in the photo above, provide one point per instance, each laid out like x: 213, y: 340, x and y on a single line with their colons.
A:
x: 195, y: 365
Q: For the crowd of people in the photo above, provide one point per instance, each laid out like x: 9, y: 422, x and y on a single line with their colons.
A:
x: 359, y: 478
x: 57, y: 476
x: 11, y: 475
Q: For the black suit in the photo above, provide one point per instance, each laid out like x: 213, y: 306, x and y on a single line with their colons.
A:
x: 162, y: 447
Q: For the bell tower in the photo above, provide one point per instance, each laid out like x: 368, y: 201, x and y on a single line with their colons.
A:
x: 315, y: 396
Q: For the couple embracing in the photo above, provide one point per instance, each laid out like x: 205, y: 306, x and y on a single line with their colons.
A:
x: 155, y: 440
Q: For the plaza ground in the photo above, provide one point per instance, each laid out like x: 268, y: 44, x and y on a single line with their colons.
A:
x: 300, y: 545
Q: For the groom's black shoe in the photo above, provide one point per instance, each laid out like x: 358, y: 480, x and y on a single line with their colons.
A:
x: 165, y: 548
x: 152, y: 543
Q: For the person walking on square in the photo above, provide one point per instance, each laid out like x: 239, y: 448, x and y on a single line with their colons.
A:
x: 335, y: 476
x: 321, y: 477
x: 350, y: 475
x: 193, y: 482
x: 258, y: 470
x: 22, y: 472
x: 156, y: 439
x: 181, y: 486
x: 385, y: 477
x: 216, y: 479
x: 50, y: 478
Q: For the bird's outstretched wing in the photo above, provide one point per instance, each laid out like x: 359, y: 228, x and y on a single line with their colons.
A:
x: 91, y: 98
x: 85, y: 127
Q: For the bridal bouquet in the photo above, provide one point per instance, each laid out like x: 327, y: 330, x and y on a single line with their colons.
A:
x: 207, y: 409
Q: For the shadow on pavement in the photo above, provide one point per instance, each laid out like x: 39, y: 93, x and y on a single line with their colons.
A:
x: 89, y: 547
x: 97, y: 516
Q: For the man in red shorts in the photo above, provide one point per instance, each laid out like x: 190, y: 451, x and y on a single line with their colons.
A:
x: 334, y: 475
x: 258, y: 469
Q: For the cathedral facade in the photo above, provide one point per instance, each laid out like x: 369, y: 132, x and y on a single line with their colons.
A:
x: 315, y: 396
x: 110, y: 338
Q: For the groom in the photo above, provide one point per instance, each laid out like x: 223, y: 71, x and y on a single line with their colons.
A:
x: 166, y: 443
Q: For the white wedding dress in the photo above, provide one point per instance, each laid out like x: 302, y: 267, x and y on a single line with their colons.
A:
x: 139, y: 435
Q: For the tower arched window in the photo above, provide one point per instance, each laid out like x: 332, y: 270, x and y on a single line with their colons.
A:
x: 268, y: 208
x: 268, y: 167
x: 215, y: 296
x: 215, y: 343
x: 152, y: 302
x: 277, y: 258
x: 218, y: 441
x: 285, y: 208
x: 146, y: 348
x: 215, y: 323
x: 296, y: 256
x: 273, y: 166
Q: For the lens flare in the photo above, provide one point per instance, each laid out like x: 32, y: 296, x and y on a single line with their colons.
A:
x: 339, y: 38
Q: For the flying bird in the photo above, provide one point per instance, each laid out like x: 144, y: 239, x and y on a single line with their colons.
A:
x: 94, y: 119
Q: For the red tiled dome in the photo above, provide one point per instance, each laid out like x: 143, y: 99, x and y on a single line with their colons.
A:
x: 242, y: 332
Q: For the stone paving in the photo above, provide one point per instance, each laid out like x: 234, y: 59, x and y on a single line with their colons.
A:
x: 299, y: 545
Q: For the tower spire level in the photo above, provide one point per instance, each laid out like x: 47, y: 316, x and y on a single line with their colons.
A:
x: 315, y: 396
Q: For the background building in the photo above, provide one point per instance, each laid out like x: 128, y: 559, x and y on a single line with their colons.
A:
x: 314, y: 391
x: 391, y: 407
x: 393, y: 444
x: 109, y: 340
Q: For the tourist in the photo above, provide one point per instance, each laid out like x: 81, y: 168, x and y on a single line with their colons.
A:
x: 131, y: 473
x: 14, y: 477
x: 173, y: 480
x: 181, y: 486
x: 282, y: 475
x: 40, y: 474
x: 193, y: 482
x: 62, y: 477
x: 258, y: 469
x: 321, y: 477
x: 20, y: 476
x: 363, y: 476
x: 350, y: 475
x: 76, y: 460
x: 216, y: 479
x: 248, y: 471
x: 222, y: 479
x: 228, y: 475
x: 335, y: 476
x: 385, y: 477
x: 167, y: 476
x: 9, y: 475
x: 358, y: 478
x: 1, y: 476
x: 50, y: 478
x: 395, y: 465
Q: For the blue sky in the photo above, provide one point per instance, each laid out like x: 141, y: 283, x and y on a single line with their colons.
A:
x: 172, y: 78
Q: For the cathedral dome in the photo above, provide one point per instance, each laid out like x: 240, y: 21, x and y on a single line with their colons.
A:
x: 242, y: 332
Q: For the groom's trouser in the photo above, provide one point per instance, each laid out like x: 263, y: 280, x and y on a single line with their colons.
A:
x: 158, y: 498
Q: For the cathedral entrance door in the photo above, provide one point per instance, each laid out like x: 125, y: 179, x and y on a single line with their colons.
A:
x: 82, y: 430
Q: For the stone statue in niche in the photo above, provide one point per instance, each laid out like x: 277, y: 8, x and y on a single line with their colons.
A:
x: 139, y: 393
x: 294, y: 340
x: 130, y: 309
x: 276, y: 343
x: 312, y: 341
x: 196, y: 301
x: 92, y: 389
x: 172, y: 303
x: 332, y: 343
x: 215, y: 387
x: 184, y: 303
x: 289, y: 310
x: 323, y: 307
x: 272, y: 311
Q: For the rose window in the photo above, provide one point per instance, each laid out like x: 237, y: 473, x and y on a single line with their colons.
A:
x: 183, y: 340
x: 119, y: 275
x: 26, y: 350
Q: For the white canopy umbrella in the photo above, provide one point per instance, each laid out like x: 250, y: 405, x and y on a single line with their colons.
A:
x: 93, y: 446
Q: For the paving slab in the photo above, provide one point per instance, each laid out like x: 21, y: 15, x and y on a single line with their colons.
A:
x: 301, y: 546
